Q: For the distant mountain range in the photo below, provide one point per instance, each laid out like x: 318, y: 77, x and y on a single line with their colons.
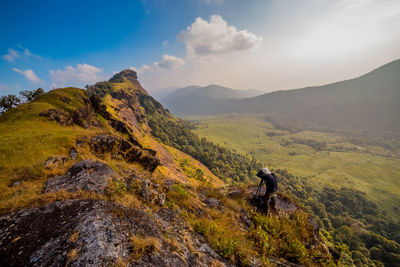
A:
x: 193, y: 99
x: 367, y: 102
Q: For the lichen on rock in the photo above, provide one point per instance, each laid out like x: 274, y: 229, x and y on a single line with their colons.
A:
x: 85, y: 175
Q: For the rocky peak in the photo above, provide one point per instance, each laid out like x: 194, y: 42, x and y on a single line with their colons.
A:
x: 127, y: 74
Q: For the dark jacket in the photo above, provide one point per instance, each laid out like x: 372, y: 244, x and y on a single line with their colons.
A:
x: 270, y: 181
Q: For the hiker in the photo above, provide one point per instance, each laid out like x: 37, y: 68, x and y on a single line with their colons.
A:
x: 271, y: 185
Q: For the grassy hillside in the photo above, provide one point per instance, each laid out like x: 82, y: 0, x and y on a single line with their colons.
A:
x: 322, y: 158
x: 27, y: 139
x: 113, y: 123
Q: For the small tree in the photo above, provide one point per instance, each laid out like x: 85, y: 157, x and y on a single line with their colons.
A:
x: 9, y: 101
x: 32, y: 95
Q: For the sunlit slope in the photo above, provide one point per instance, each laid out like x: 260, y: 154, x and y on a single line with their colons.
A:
x: 373, y: 170
x: 27, y: 139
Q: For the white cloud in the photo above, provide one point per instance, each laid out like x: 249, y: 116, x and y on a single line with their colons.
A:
x: 11, y: 55
x: 82, y: 74
x: 18, y: 53
x: 29, y: 75
x: 167, y: 62
x: 216, y: 37
x: 305, y: 42
x: 170, y: 62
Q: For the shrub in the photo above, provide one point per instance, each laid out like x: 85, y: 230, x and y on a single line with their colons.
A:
x: 116, y: 187
x: 32, y: 95
x: 221, y: 239
x: 8, y: 102
x: 178, y: 193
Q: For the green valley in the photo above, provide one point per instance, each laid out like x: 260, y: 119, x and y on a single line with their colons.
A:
x: 336, y: 161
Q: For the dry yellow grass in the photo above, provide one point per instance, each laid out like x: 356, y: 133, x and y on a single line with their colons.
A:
x: 71, y: 256
x: 142, y: 245
x: 74, y: 237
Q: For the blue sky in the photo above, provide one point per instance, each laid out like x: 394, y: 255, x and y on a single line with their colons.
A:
x: 267, y: 45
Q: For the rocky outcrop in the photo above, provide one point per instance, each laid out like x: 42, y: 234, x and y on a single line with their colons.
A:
x: 114, y: 145
x: 125, y: 74
x: 130, y: 76
x: 99, y: 107
x: 85, y: 175
x: 58, y: 115
x: 84, y: 116
x: 97, y: 233
x: 120, y: 148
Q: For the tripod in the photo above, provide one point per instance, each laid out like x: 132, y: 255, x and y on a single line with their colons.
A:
x: 259, y: 188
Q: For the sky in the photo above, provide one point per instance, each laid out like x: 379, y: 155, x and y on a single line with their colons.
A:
x: 260, y: 44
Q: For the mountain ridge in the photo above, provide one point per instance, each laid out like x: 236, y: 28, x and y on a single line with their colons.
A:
x: 365, y: 102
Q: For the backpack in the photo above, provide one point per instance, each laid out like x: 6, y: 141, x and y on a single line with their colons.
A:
x: 270, y: 181
x: 275, y: 183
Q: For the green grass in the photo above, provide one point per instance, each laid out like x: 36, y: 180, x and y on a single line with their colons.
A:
x: 27, y: 140
x: 364, y: 170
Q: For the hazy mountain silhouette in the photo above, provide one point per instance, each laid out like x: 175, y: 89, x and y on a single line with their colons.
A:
x: 198, y: 97
x: 370, y: 101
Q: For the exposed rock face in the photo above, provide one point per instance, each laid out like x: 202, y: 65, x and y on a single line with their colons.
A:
x: 84, y: 115
x: 102, y: 144
x: 95, y: 233
x: 118, y: 147
x: 145, y: 157
x: 58, y: 115
x: 85, y: 175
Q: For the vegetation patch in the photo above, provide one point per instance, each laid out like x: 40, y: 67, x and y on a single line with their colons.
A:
x: 142, y: 245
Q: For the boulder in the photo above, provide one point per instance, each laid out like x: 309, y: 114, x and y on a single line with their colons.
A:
x: 89, y: 227
x: 145, y: 193
x: 161, y: 199
x: 235, y: 193
x: 212, y: 202
x: 65, y: 99
x: 73, y: 154
x: 55, y: 161
x: 85, y: 175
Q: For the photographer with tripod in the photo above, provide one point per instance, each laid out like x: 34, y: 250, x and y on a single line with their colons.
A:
x: 271, y: 185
